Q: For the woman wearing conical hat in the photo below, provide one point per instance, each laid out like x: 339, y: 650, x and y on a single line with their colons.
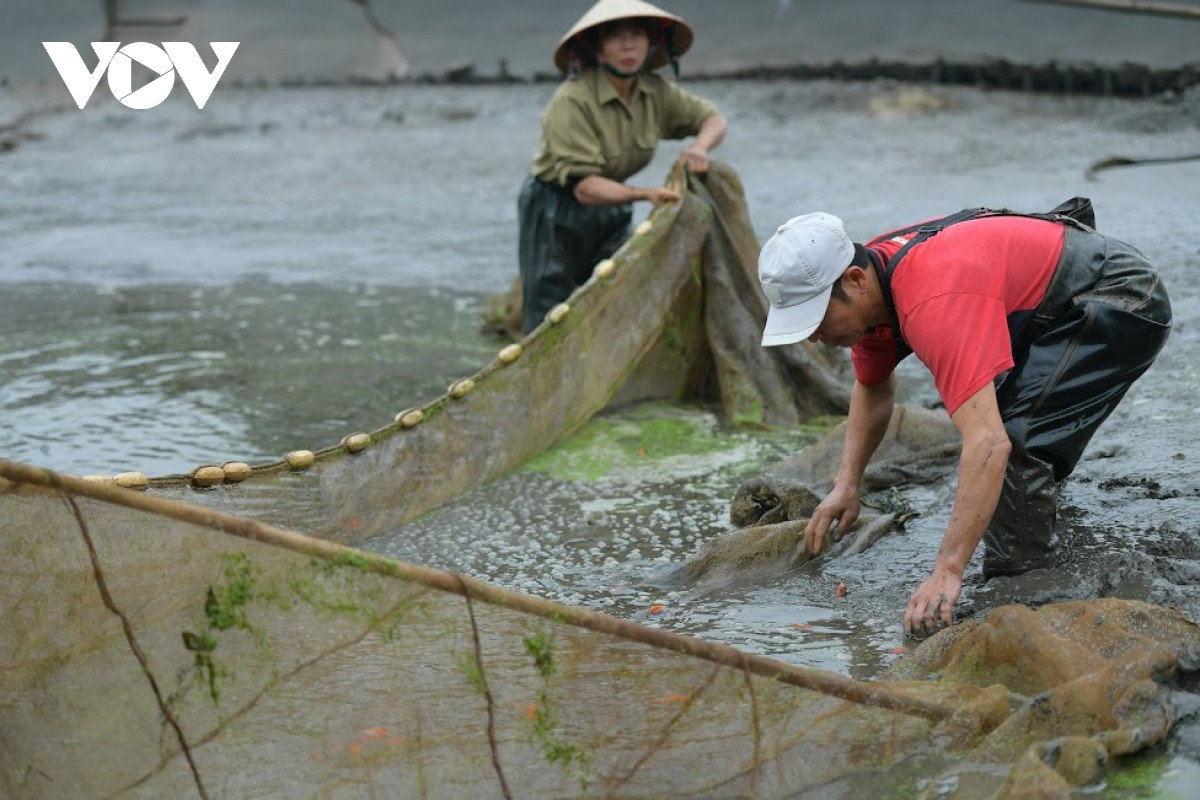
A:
x: 601, y: 126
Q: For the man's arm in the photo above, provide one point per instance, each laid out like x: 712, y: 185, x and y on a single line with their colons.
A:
x: 870, y: 412
x: 981, y: 466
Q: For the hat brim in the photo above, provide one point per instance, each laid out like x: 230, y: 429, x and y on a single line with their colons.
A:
x: 604, y: 12
x: 792, y: 324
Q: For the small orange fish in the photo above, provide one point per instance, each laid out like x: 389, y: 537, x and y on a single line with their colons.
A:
x: 899, y: 651
x: 840, y: 591
x: 676, y: 699
x: 657, y: 608
x: 800, y: 626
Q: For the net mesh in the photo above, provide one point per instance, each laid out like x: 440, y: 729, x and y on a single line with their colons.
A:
x: 157, y: 649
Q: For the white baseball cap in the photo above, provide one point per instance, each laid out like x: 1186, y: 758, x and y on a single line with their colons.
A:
x: 797, y: 268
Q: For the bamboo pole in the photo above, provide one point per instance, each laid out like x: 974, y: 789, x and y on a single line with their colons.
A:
x: 862, y: 693
x: 1122, y: 161
x: 1184, y: 10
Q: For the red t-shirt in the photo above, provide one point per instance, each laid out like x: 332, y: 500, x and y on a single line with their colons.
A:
x: 959, y: 297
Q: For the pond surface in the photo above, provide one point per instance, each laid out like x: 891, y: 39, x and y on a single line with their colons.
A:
x: 287, y: 266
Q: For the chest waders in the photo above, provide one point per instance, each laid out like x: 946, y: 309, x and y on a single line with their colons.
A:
x: 1104, y: 318
x: 560, y: 242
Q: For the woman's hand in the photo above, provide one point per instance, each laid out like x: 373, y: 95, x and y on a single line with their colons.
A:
x: 695, y: 159
x: 595, y: 190
x: 658, y: 195
x: 695, y: 156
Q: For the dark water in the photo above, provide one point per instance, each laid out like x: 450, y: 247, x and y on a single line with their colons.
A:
x: 184, y: 287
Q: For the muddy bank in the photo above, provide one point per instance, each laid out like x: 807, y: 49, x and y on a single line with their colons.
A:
x: 332, y: 39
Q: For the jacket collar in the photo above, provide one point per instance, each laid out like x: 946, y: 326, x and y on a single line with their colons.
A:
x: 607, y: 93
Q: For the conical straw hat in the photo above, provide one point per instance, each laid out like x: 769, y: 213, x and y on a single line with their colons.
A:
x: 609, y: 10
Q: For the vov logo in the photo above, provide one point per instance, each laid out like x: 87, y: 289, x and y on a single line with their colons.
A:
x: 117, y: 61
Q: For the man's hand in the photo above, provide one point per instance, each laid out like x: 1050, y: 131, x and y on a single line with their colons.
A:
x: 695, y: 159
x: 842, y: 505
x: 981, y: 468
x: 870, y: 411
x: 931, y: 606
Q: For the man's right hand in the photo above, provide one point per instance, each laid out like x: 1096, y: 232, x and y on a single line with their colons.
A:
x: 842, y: 506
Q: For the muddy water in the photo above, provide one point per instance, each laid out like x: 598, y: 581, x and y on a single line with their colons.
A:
x: 149, y: 377
x: 180, y: 288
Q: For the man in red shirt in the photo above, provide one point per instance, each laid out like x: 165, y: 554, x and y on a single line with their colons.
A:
x: 1033, y: 326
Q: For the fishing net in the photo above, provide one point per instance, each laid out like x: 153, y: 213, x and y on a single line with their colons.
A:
x: 770, y: 511
x: 675, y: 313
x: 1085, y: 680
x: 155, y: 649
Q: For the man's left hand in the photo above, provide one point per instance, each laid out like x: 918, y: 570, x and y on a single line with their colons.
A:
x: 931, y: 607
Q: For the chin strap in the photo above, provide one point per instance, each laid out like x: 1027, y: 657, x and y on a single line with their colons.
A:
x: 669, y: 43
x: 611, y: 70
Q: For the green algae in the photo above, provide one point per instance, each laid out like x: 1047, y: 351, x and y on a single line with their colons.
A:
x: 751, y: 411
x: 634, y: 437
x: 332, y: 586
x: 665, y: 437
x: 351, y: 558
x: 1140, y: 776
x: 224, y: 608
x: 544, y: 724
x: 224, y: 604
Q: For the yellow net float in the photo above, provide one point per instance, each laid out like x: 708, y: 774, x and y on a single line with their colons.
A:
x: 410, y: 417
x: 558, y: 313
x: 461, y: 388
x: 300, y: 459
x: 132, y: 480
x: 208, y: 475
x: 643, y: 227
x: 509, y: 354
x: 236, y: 471
x: 605, y: 268
x: 98, y: 478
x: 356, y: 442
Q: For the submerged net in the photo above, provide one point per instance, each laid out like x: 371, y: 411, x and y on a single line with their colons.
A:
x: 770, y: 512
x: 155, y: 649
